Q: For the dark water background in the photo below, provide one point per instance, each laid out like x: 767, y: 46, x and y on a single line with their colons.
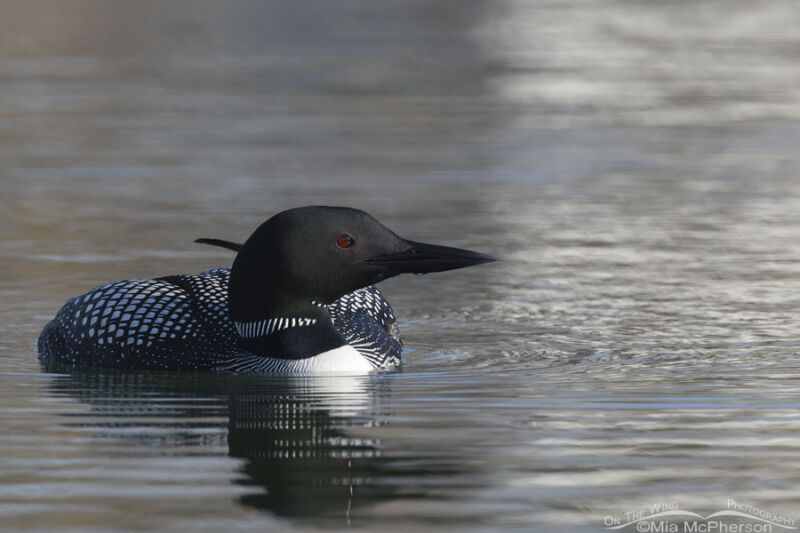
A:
x: 636, y: 165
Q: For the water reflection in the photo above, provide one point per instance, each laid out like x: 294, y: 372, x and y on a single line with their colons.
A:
x: 297, y: 438
x: 296, y: 443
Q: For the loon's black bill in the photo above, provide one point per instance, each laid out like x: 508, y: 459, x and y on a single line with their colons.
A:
x: 422, y: 258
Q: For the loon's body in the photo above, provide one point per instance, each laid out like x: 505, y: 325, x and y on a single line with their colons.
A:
x: 298, y: 300
x: 182, y: 323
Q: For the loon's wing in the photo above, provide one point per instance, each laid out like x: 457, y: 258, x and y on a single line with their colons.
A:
x: 171, y: 323
x: 221, y: 243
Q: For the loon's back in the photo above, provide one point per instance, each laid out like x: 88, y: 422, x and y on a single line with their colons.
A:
x: 183, y: 323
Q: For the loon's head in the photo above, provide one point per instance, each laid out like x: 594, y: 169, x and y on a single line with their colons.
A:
x: 318, y: 254
x: 321, y: 253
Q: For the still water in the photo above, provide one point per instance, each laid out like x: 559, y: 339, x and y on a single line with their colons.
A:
x: 635, y: 165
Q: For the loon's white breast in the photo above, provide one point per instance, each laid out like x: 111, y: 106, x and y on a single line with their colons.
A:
x: 342, y: 360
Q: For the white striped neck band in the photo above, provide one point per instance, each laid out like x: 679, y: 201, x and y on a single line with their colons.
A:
x: 259, y: 328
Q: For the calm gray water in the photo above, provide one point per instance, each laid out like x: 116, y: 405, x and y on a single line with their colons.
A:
x: 635, y: 164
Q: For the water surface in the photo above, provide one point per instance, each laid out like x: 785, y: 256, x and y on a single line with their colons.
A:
x: 634, y: 164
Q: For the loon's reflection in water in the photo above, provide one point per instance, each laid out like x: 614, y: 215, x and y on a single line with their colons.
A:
x: 297, y: 437
x: 296, y: 443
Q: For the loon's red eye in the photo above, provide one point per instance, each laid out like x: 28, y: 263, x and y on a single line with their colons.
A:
x: 345, y: 241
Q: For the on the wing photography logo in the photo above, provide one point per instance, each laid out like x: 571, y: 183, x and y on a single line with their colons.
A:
x: 668, y: 517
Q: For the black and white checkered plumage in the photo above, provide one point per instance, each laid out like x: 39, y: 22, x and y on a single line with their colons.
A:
x: 182, y: 323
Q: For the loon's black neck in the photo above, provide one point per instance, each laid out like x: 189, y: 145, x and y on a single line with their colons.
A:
x: 297, y: 333
x: 274, y: 316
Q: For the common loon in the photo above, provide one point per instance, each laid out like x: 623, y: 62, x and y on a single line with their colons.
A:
x: 298, y: 300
